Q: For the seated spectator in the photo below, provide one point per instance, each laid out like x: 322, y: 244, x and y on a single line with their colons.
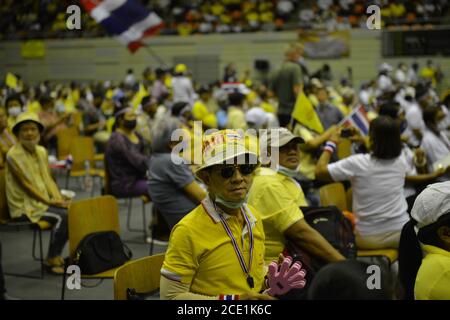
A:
x: 431, y: 211
x: 51, y: 121
x: 7, y: 139
x: 377, y: 181
x: 235, y: 112
x: 347, y: 280
x: 31, y: 191
x: 172, y: 184
x: 201, y: 260
x: 14, y: 107
x: 434, y: 142
x: 127, y: 157
x: 94, y: 121
x: 278, y: 197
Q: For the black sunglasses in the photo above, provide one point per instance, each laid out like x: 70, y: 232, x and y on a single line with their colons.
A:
x: 245, y: 169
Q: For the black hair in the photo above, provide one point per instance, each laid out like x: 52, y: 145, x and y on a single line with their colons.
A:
x: 410, y: 253
x: 347, y: 280
x: 429, y: 115
x: 385, y: 135
x: 13, y: 97
x: 160, y: 72
x: 177, y: 107
x: 236, y: 99
x: 145, y: 100
x: 390, y: 109
x: 45, y: 100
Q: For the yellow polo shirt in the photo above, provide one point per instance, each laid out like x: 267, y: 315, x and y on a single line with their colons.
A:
x: 200, y: 252
x: 277, y: 198
x: 433, y: 278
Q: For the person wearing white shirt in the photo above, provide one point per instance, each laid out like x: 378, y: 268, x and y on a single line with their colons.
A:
x: 183, y: 90
x: 434, y: 142
x: 377, y: 182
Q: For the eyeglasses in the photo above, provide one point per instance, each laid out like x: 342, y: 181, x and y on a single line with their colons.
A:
x: 245, y: 169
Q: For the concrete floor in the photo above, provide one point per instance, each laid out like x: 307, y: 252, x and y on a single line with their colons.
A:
x: 17, y: 257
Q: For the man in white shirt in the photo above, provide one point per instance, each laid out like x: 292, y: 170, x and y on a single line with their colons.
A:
x: 183, y: 90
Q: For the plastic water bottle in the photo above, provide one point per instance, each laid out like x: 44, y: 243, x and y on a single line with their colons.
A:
x: 88, y: 181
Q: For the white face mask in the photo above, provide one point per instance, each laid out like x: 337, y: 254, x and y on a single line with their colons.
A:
x: 30, y: 144
x: 14, y: 111
x: 287, y: 172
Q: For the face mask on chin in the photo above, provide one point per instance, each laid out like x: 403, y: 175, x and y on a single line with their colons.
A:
x: 287, y: 172
x: 230, y: 204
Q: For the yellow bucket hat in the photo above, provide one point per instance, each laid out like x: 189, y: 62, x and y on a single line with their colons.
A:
x: 26, y: 117
x: 222, y: 146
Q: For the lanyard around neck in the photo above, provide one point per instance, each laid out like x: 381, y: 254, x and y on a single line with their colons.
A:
x: 238, y: 251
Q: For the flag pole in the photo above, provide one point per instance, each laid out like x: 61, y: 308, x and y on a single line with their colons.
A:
x: 155, y: 56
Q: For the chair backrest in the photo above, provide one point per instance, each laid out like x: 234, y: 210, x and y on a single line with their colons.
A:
x: 4, y: 212
x: 333, y: 194
x: 344, y: 149
x: 89, y: 216
x: 143, y: 275
x: 349, y: 196
x: 77, y: 118
x: 82, y: 149
x: 64, y: 138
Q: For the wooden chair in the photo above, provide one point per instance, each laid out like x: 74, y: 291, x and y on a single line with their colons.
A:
x: 333, y: 194
x: 6, y: 224
x: 82, y: 151
x: 86, y: 217
x: 64, y: 138
x: 390, y: 254
x: 144, y: 199
x: 142, y: 274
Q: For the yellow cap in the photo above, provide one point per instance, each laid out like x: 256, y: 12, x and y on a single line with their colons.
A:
x: 180, y: 68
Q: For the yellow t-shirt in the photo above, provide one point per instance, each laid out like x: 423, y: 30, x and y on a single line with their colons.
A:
x: 236, y: 119
x: 433, y: 278
x: 277, y: 198
x: 201, y: 254
x: 199, y: 110
x: 307, y: 161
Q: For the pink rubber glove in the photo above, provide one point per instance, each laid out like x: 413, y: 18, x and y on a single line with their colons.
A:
x: 287, y: 278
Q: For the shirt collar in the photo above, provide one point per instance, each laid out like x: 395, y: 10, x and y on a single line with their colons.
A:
x: 211, y: 210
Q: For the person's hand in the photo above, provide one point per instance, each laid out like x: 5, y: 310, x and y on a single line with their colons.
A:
x: 335, y: 136
x: 282, y: 278
x: 441, y: 171
x: 60, y: 203
x: 420, y: 159
x: 255, y: 296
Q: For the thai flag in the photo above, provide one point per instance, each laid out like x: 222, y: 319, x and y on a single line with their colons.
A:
x: 127, y: 20
x: 358, y: 119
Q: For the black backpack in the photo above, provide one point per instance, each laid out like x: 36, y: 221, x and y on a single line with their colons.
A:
x: 335, y: 228
x: 101, y: 251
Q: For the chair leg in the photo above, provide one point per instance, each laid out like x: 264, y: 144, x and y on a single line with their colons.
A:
x: 130, y: 204
x: 63, y: 287
x: 144, y: 220
x: 153, y: 229
x: 41, y: 253
x: 34, y: 245
x: 67, y: 179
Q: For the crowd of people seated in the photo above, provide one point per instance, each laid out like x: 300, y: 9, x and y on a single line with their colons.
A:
x: 34, y: 20
x: 213, y: 190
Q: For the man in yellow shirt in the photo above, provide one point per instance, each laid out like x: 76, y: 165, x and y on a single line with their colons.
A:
x: 278, y: 197
x: 217, y: 250
x: 431, y: 211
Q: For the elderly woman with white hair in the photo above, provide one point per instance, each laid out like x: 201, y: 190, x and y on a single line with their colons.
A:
x: 172, y: 184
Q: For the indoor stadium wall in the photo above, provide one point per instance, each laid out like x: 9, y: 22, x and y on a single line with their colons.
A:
x: 206, y: 55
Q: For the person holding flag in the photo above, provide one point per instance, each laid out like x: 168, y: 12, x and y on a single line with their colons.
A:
x: 308, y: 126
